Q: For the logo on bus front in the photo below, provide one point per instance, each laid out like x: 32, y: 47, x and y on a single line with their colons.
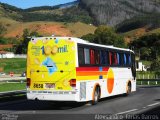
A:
x: 63, y: 49
x: 53, y: 50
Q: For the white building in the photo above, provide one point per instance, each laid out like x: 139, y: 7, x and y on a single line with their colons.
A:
x: 140, y: 66
x: 5, y: 54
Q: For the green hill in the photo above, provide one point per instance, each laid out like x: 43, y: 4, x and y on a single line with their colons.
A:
x: 77, y: 19
x: 46, y: 20
x: 46, y: 13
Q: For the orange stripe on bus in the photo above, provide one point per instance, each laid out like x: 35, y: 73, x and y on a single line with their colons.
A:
x: 90, y: 73
x: 91, y: 78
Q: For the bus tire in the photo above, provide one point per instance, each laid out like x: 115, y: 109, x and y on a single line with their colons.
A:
x: 129, y: 87
x: 96, y: 95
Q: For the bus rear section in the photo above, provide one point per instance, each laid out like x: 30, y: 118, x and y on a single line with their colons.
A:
x: 51, y: 69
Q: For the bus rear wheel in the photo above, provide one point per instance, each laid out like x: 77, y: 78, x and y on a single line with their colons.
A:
x: 96, y: 96
x: 128, y: 89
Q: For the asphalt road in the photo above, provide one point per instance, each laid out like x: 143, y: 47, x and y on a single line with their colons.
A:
x: 142, y: 104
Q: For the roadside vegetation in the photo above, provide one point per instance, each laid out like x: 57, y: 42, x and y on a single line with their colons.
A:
x: 16, y: 65
x: 147, y: 48
x: 12, y: 86
x: 149, y: 83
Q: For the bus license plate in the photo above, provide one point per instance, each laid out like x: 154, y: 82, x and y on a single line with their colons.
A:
x: 36, y: 85
x: 49, y: 85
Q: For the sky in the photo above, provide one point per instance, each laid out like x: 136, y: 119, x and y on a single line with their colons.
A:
x: 34, y: 3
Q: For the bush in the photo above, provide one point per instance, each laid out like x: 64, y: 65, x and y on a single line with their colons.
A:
x: 105, y: 35
x: 148, y: 46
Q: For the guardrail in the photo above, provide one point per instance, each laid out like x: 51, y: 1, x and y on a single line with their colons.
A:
x: 149, y: 81
x: 20, y: 56
x: 13, y: 80
x: 12, y: 93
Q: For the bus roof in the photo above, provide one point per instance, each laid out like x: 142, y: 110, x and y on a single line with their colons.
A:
x: 81, y: 41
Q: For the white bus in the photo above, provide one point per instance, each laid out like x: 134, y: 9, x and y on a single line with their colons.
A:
x: 71, y: 69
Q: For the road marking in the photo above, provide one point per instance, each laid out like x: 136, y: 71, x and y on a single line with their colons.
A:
x: 153, y: 104
x: 127, y: 111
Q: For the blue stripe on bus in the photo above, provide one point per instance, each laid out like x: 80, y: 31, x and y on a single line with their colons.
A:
x: 101, y: 69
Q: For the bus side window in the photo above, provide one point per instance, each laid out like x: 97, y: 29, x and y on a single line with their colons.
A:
x: 130, y: 60
x: 97, y: 57
x: 92, y: 56
x: 121, y: 59
x: 110, y: 58
x: 125, y: 59
x: 102, y: 57
x: 107, y: 58
x: 86, y: 56
x: 81, y: 56
x: 118, y: 59
x: 115, y: 59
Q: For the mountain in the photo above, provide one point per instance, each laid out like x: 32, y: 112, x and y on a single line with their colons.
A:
x: 124, y: 15
x: 109, y: 12
x: 69, y: 12
x: 62, y: 20
x: 127, y: 12
x: 70, y: 4
x: 61, y: 6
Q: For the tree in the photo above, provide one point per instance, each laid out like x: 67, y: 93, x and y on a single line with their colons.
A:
x: 145, y: 53
x: 90, y: 37
x: 119, y: 41
x: 148, y: 45
x: 105, y: 35
x: 22, y: 47
x: 155, y: 66
x: 3, y: 40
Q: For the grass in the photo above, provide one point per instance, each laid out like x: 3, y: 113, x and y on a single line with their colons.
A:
x: 12, y: 86
x: 135, y: 33
x: 16, y: 65
x: 146, y: 63
x: 15, y: 28
x: 146, y: 75
x: 155, y: 31
x: 79, y: 29
x: 146, y: 83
